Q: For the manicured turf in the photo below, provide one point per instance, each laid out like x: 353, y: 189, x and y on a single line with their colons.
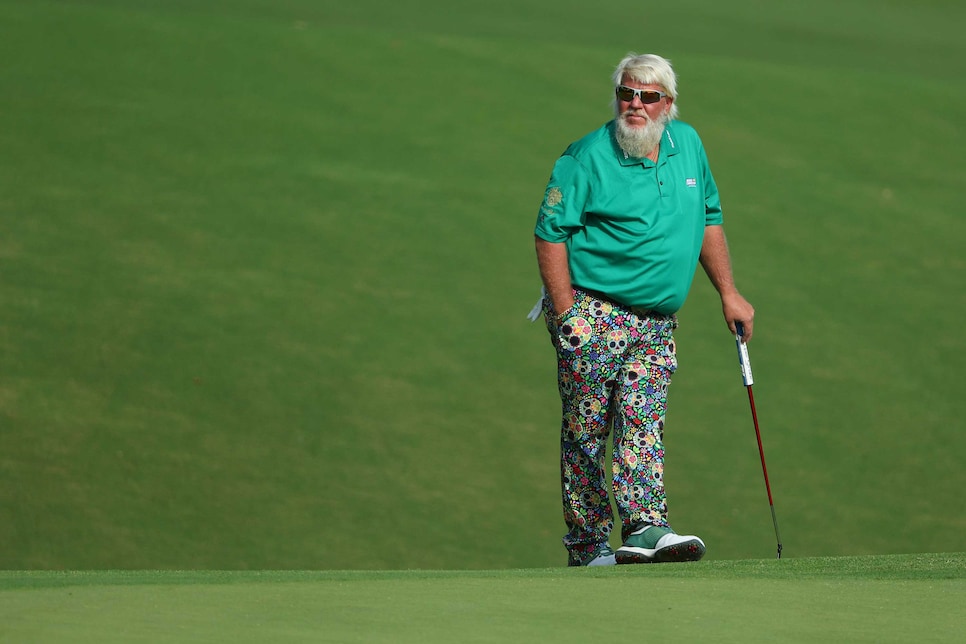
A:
x: 264, y: 268
x: 868, y: 599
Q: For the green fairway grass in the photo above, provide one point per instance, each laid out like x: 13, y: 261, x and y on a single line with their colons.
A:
x: 857, y: 599
x: 265, y: 266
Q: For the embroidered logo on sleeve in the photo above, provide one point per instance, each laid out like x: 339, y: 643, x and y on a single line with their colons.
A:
x: 554, y: 196
x: 551, y: 199
x: 691, y: 183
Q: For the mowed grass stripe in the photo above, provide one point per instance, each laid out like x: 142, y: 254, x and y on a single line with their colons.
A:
x: 872, y: 599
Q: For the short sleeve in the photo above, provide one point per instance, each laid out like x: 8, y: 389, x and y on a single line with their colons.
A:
x: 563, y: 207
x: 712, y: 201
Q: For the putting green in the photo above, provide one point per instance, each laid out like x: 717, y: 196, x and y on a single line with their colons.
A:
x: 869, y: 599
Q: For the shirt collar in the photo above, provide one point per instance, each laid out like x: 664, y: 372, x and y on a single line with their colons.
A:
x: 668, y: 148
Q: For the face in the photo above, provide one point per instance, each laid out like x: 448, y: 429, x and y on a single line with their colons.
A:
x: 636, y: 114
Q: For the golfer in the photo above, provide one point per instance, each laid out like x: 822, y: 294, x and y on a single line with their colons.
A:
x: 629, y: 211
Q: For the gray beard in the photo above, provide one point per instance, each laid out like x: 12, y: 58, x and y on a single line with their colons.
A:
x: 638, y: 142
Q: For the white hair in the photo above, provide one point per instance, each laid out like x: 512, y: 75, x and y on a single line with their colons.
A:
x: 650, y: 69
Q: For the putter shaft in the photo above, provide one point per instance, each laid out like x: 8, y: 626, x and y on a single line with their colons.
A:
x: 748, y: 380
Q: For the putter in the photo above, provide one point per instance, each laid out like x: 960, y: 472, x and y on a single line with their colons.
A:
x: 747, y: 378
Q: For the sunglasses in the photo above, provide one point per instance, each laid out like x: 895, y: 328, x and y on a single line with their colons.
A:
x: 627, y: 94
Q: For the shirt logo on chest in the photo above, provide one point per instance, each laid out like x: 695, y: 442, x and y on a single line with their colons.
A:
x: 691, y: 183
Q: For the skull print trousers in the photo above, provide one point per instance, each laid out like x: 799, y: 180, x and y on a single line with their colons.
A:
x: 614, y: 366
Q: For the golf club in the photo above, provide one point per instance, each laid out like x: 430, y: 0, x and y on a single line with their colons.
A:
x: 747, y: 378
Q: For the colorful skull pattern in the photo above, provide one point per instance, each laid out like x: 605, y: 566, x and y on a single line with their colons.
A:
x: 614, y: 368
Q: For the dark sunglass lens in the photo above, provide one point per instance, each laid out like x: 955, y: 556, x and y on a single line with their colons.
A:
x: 647, y: 95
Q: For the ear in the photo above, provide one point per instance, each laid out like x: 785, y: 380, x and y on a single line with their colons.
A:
x: 667, y: 106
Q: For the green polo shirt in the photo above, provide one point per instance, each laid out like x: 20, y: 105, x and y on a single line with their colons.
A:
x: 633, y: 228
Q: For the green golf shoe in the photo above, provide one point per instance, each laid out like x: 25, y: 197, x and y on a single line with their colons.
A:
x: 654, y: 544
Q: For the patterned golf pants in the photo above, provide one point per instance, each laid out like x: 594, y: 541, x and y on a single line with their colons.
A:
x: 614, y: 366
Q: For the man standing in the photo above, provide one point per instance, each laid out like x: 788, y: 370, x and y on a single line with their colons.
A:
x: 629, y: 211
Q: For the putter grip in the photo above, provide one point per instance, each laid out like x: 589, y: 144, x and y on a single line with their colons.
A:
x: 743, y: 360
